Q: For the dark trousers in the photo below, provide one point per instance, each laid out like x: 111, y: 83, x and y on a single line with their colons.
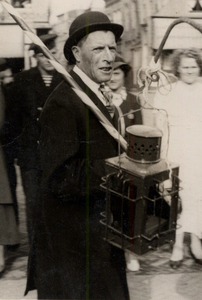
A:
x: 10, y: 153
x: 31, y: 183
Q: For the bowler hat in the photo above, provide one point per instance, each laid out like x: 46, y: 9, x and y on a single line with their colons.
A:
x: 120, y: 63
x: 47, y: 39
x: 86, y: 23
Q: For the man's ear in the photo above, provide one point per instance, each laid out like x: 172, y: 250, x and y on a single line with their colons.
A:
x: 76, y: 51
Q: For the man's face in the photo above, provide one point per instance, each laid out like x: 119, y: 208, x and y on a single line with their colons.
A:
x: 43, y: 63
x: 188, y: 70
x: 96, y: 55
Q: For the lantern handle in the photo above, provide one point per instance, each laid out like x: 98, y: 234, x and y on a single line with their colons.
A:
x: 174, y: 23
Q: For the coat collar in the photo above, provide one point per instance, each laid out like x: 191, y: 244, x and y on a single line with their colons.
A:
x: 37, y: 78
x: 91, y: 95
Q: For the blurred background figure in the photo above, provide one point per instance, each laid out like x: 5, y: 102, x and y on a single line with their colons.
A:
x: 9, y: 234
x: 181, y: 108
x: 6, y: 74
x: 124, y: 100
x: 8, y: 131
x: 30, y: 90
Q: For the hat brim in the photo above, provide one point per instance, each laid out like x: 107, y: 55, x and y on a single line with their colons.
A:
x: 120, y: 64
x: 46, y: 39
x: 117, y: 29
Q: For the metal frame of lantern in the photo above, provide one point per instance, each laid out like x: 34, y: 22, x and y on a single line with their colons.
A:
x: 137, y: 217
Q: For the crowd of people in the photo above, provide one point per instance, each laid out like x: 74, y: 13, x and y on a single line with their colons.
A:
x: 61, y: 146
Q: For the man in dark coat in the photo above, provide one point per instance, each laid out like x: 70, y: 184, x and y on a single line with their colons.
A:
x: 72, y: 261
x: 29, y: 93
x: 8, y: 137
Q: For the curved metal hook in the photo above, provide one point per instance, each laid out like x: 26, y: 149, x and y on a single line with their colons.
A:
x: 176, y: 22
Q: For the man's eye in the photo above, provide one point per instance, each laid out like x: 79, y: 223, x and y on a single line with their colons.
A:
x: 98, y: 48
x: 112, y: 49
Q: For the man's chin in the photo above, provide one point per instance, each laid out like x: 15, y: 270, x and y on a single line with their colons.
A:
x: 105, y: 78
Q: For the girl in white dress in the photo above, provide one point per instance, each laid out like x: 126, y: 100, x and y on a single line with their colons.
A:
x: 181, y: 110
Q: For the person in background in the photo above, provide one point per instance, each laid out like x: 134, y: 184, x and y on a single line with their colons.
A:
x: 71, y: 260
x: 8, y: 132
x: 183, y: 106
x: 6, y: 74
x: 30, y: 90
x: 9, y: 234
x: 123, y: 99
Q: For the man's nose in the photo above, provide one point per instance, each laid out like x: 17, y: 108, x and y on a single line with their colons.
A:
x: 108, y: 55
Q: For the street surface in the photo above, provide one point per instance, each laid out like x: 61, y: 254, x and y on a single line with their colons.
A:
x: 154, y: 281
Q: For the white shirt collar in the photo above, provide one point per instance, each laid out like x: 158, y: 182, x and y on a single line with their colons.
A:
x: 90, y: 83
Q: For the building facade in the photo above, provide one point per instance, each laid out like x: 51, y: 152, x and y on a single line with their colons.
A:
x: 14, y: 45
x: 61, y: 28
x: 182, y: 35
x: 135, y: 16
x: 145, y: 23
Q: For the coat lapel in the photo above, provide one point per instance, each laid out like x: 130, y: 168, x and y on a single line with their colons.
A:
x: 91, y: 95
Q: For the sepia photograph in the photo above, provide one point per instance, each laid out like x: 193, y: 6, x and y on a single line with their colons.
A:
x: 101, y: 149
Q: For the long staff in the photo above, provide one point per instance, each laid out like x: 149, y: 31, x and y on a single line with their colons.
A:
x: 59, y: 68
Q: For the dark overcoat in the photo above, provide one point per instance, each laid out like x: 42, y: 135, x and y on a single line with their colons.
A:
x: 72, y: 261
x: 4, y: 184
x: 9, y: 234
x: 28, y: 96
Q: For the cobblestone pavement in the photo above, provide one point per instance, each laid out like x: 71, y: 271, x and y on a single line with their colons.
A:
x: 13, y: 280
x: 154, y: 281
x: 157, y: 281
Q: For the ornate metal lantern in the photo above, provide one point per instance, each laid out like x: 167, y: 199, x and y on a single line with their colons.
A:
x: 138, y: 216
